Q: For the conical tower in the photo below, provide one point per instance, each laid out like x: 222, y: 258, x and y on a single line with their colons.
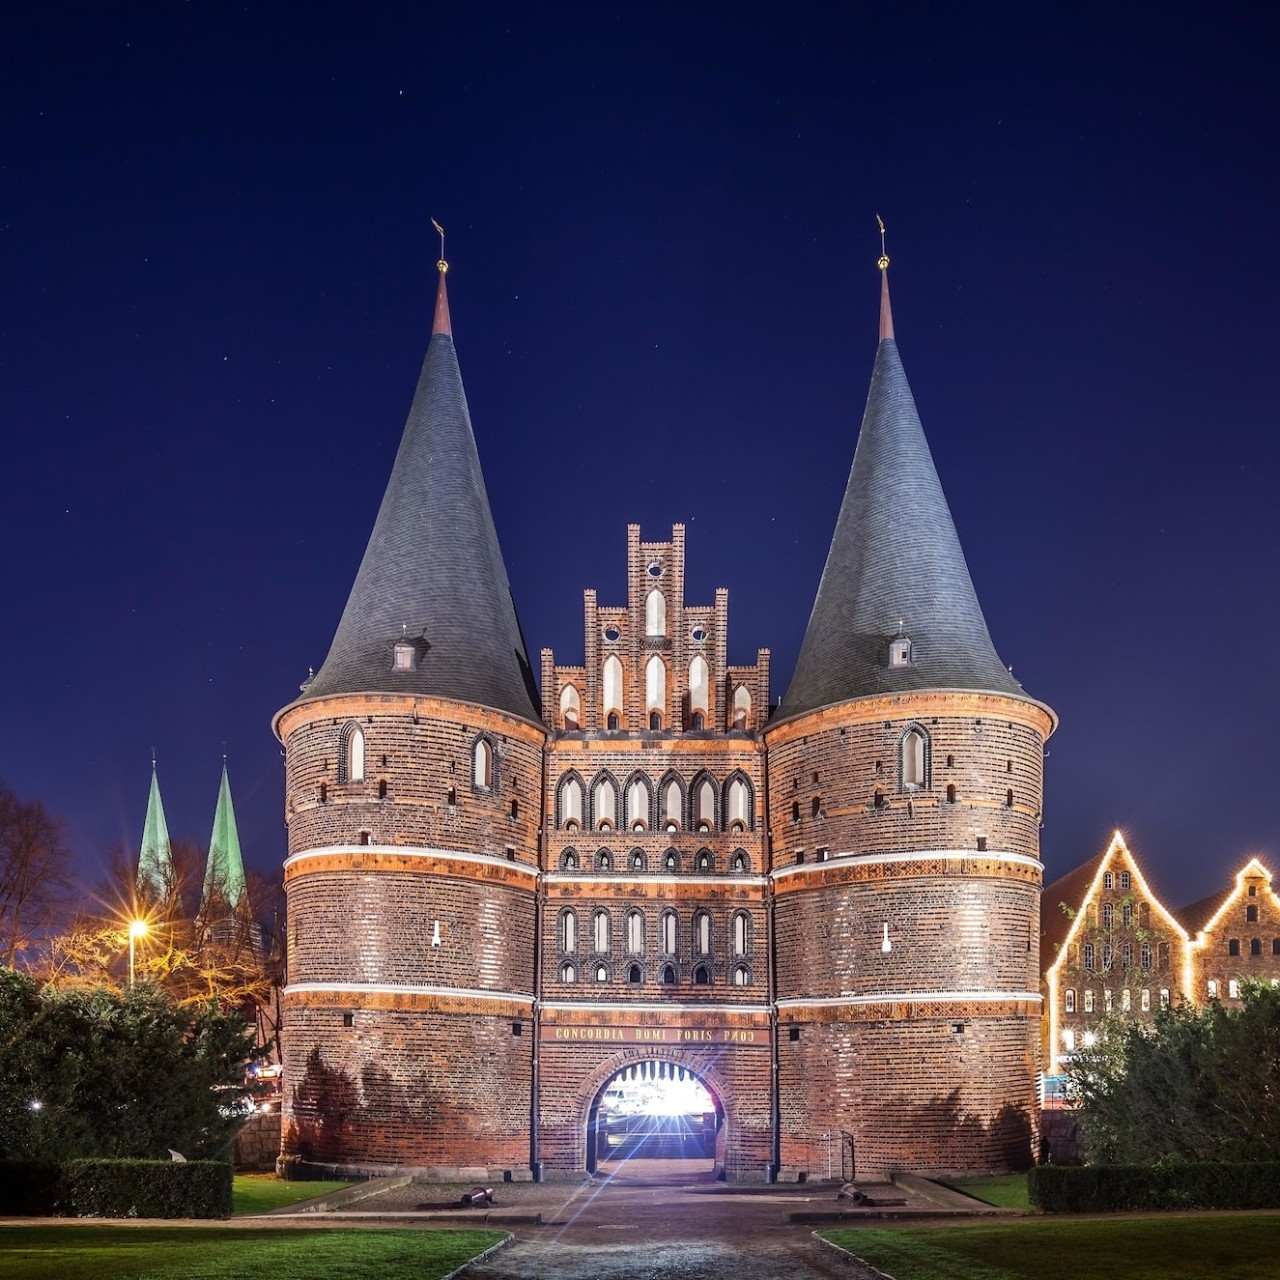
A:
x: 224, y: 871
x: 413, y: 770
x: 905, y: 792
x: 155, y: 881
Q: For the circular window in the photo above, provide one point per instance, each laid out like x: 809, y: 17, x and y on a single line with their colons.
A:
x: 699, y: 633
x: 612, y: 634
x: 655, y: 570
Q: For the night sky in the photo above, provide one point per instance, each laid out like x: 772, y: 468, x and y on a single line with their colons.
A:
x: 216, y: 286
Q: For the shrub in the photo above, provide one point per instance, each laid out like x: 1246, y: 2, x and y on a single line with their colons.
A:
x: 1128, y: 1188
x: 116, y: 1188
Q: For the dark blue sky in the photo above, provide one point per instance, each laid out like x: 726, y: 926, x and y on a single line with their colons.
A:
x: 216, y: 279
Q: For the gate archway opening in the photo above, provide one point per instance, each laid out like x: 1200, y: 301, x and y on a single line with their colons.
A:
x: 655, y: 1119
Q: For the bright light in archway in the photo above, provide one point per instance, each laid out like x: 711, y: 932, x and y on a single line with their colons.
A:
x: 638, y: 1094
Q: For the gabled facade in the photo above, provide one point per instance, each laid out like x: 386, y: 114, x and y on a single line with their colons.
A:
x: 827, y: 917
x: 1108, y: 946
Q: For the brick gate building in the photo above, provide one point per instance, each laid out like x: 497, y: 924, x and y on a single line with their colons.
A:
x: 827, y: 912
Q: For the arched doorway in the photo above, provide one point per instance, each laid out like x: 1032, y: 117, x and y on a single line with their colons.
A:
x: 655, y: 1119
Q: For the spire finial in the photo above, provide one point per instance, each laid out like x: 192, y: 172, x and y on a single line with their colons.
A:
x: 886, y: 313
x: 442, y: 265
x: 441, y: 323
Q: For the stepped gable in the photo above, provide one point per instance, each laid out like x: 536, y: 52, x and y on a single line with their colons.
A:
x: 895, y: 568
x: 433, y: 577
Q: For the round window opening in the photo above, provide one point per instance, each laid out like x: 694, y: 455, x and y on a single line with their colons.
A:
x: 612, y: 634
x: 655, y: 570
x: 699, y: 634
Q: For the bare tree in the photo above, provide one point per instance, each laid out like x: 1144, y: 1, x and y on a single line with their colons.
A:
x: 35, y: 865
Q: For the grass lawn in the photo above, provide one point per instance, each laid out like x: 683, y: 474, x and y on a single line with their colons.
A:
x: 1005, y: 1190
x: 261, y: 1192
x: 222, y: 1253
x: 1238, y: 1247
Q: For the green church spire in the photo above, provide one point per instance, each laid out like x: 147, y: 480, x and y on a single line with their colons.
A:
x: 155, y: 860
x: 224, y: 875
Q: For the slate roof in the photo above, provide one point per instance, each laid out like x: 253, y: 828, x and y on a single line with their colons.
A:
x: 895, y: 557
x: 433, y: 572
x: 1193, y: 918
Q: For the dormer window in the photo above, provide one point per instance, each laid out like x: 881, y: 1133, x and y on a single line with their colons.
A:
x: 900, y: 652
x: 402, y: 656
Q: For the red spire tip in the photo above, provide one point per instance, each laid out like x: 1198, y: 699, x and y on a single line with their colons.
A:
x: 886, y: 311
x: 441, y: 322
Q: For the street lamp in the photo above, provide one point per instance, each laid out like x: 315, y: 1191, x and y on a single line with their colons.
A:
x: 137, y: 929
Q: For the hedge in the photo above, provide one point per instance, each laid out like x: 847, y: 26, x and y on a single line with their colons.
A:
x: 116, y: 1188
x: 1059, y: 1188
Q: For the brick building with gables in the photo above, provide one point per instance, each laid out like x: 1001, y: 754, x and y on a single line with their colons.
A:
x: 501, y: 902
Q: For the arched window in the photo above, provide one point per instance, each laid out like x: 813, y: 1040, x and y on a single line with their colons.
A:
x: 1146, y: 955
x: 1108, y: 880
x: 704, y: 860
x: 604, y: 804
x: 667, y: 933
x: 741, y: 708
x: 600, y: 932
x: 668, y: 975
x: 1233, y: 947
x: 1088, y: 1000
x: 570, y: 860
x: 1069, y: 1001
x: 612, y: 692
x: 1146, y: 999
x: 655, y: 686
x: 637, y: 859
x: 633, y: 974
x: 699, y: 686
x: 704, y: 805
x: 1086, y: 955
x: 571, y: 802
x: 702, y: 976
x: 913, y: 761
x: 1251, y: 914
x: 739, y: 861
x: 604, y: 860
x: 637, y: 804
x: 612, y: 722
x: 602, y: 973
x: 1108, y: 956
x: 635, y: 933
x: 741, y: 975
x: 351, y: 756
x: 702, y: 933
x: 671, y: 862
x: 739, y: 806
x: 1126, y: 914
x: 740, y: 933
x: 568, y: 973
x: 1255, y: 946
x: 482, y: 764
x: 570, y: 707
x: 1108, y: 915
x: 951, y: 793
x: 672, y: 803
x: 568, y: 931
x: 1126, y: 956
x: 655, y: 614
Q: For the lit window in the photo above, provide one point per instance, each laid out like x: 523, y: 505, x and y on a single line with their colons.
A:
x: 1125, y: 1001
x: 655, y: 614
x: 612, y: 692
x: 1146, y: 1000
x: 569, y: 931
x: 1106, y: 1000
x: 1069, y: 1001
x: 702, y: 933
x: 913, y: 760
x: 570, y: 707
x: 1213, y: 988
x: 699, y: 685
x: 635, y: 933
x: 668, y: 933
x: 1124, y: 880
x: 1108, y: 880
x: 1069, y: 1040
x: 600, y: 931
x: 1164, y: 997
x: 482, y: 763
x: 1233, y: 989
x: 1088, y: 1000
x: 352, y: 757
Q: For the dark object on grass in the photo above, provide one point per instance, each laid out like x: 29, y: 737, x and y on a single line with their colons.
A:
x: 478, y: 1195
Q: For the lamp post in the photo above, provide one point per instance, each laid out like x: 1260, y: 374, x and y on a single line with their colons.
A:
x: 137, y: 929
